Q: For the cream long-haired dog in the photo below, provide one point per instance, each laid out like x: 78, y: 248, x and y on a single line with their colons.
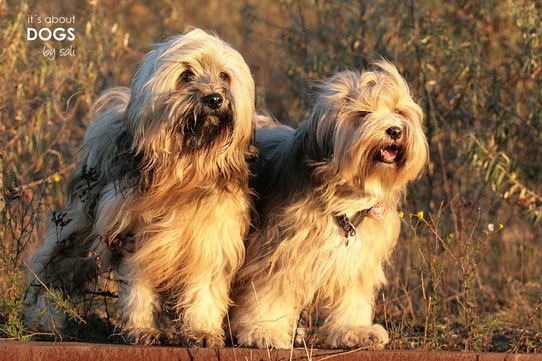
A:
x: 328, y: 219
x: 162, y: 194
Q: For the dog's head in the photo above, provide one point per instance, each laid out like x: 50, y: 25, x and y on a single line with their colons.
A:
x: 191, y: 93
x: 367, y: 125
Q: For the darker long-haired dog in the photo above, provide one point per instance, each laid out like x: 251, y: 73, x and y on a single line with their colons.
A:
x: 162, y: 194
x: 328, y: 211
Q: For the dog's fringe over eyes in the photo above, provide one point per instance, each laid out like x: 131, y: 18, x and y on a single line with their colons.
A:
x: 361, y: 145
x: 168, y: 203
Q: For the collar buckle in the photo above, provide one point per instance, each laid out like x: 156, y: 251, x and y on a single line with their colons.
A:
x: 349, y: 226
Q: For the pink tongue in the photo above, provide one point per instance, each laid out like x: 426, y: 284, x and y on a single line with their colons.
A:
x: 389, y: 154
x: 378, y: 210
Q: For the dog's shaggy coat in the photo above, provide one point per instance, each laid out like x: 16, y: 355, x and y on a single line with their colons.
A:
x: 161, y: 195
x: 362, y: 144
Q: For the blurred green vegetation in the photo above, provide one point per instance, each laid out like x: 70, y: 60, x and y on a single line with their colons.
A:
x: 467, y: 273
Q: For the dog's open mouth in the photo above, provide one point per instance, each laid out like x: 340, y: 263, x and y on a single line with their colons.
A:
x: 389, y: 154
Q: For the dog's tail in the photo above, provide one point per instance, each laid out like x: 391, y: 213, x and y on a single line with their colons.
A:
x: 265, y: 120
x: 107, y: 114
x: 99, y: 145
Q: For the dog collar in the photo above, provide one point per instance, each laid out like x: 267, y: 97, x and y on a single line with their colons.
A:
x: 349, y: 225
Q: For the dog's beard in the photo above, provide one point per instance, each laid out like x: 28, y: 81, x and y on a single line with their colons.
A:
x: 196, y: 127
x: 203, y: 128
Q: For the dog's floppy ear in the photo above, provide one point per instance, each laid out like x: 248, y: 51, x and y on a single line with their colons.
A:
x: 333, y: 95
x: 319, y: 137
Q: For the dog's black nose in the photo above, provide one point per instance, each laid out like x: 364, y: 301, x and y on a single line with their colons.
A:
x: 394, y: 132
x: 213, y: 101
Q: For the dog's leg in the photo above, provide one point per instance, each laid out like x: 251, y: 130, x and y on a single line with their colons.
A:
x: 266, y: 317
x: 206, y: 304
x: 141, y: 305
x: 54, y: 265
x: 349, y: 320
x: 216, y: 254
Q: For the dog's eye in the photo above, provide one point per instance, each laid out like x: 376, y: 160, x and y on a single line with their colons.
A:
x: 224, y: 76
x: 186, y: 76
x: 398, y: 111
x: 362, y: 114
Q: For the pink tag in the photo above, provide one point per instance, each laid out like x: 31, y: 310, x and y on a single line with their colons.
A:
x: 378, y: 210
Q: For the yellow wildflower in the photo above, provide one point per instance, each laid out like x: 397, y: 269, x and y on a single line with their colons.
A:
x: 451, y: 235
x: 401, y: 214
x: 56, y: 178
x: 419, y: 214
x: 501, y: 226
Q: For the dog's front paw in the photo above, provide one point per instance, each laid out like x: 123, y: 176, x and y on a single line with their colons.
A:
x: 373, y: 336
x: 198, y: 338
x: 265, y: 338
x: 145, y: 336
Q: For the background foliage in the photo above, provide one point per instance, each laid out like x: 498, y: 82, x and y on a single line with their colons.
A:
x: 467, y: 273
